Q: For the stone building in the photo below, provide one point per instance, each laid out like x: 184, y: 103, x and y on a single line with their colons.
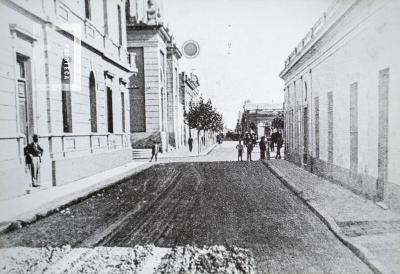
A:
x: 189, y: 91
x: 149, y: 39
x: 64, y: 71
x: 174, y: 114
x: 257, y: 118
x: 341, y: 98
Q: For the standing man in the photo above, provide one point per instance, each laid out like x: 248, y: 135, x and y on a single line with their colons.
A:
x: 33, y: 157
x: 239, y: 147
x: 249, y: 147
x: 279, y: 144
x: 190, y: 143
x: 154, y: 151
x: 263, y: 148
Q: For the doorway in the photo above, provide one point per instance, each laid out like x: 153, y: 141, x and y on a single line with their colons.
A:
x: 25, y: 97
x: 305, y: 136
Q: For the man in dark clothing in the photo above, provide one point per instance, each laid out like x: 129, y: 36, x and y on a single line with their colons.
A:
x: 190, y: 143
x: 246, y: 139
x: 249, y: 147
x: 239, y: 148
x: 274, y: 140
x: 263, y: 148
x: 279, y: 144
x: 33, y: 157
x: 154, y: 151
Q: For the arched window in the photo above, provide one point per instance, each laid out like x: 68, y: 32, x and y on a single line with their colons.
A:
x: 119, y: 24
x: 93, y: 103
x: 66, y: 94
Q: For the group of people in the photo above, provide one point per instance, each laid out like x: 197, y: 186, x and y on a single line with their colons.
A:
x: 265, y: 146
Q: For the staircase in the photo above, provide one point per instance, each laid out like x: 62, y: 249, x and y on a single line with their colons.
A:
x: 141, y: 153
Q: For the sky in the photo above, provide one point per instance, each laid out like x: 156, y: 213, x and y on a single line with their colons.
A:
x: 243, y: 45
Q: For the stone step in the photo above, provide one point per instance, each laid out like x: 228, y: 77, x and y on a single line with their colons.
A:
x: 138, y: 153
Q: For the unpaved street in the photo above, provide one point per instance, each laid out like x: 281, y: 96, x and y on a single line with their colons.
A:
x: 200, y: 203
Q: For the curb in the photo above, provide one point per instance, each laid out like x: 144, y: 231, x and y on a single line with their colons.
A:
x: 361, y: 252
x: 67, y: 200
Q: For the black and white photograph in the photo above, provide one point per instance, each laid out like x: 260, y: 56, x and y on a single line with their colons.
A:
x: 200, y: 136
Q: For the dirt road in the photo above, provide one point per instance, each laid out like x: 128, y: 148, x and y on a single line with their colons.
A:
x: 204, y: 203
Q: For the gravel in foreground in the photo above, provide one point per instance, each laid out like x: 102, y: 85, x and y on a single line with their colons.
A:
x: 140, y: 259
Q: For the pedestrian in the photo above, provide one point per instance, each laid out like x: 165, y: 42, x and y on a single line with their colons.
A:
x: 239, y: 148
x: 33, y: 158
x: 279, y: 144
x: 272, y: 142
x: 246, y: 139
x: 190, y: 143
x: 263, y: 148
x: 249, y: 150
x: 154, y: 151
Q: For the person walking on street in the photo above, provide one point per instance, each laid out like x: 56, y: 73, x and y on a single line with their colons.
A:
x: 246, y: 139
x: 190, y: 143
x: 279, y: 144
x: 33, y: 158
x: 249, y: 150
x: 239, y: 148
x: 263, y: 148
x: 268, y: 147
x: 154, y: 151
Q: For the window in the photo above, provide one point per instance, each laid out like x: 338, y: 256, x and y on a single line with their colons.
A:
x: 353, y: 128
x: 316, y: 117
x: 66, y: 94
x: 330, y: 127
x: 93, y: 102
x: 305, y: 134
x: 119, y: 25
x: 110, y: 118
x: 88, y: 14
x: 305, y: 91
x: 24, y: 93
x: 123, y: 110
x: 21, y: 68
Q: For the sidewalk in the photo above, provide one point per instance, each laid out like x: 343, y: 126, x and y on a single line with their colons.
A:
x: 370, y: 231
x: 27, y: 208
x: 184, y: 152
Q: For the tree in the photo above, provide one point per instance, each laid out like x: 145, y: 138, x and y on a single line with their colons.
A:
x: 202, y: 116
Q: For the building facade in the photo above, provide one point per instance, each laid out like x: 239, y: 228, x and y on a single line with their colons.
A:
x: 189, y: 92
x: 257, y: 118
x: 149, y: 40
x: 174, y: 114
x: 341, y: 98
x: 64, y: 73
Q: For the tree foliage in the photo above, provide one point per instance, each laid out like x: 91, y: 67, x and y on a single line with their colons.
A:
x: 202, y: 115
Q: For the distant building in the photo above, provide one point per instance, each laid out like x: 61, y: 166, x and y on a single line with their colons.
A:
x: 257, y: 118
x: 341, y: 98
x: 64, y: 73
